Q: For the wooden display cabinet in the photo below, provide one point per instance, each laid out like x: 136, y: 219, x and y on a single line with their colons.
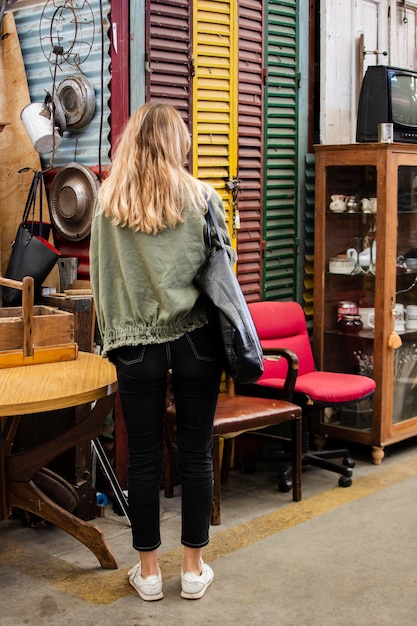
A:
x: 389, y: 173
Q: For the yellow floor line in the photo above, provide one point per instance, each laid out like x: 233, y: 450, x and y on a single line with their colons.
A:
x: 104, y: 587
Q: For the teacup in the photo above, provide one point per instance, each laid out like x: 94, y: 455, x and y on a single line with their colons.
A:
x: 411, y: 264
x: 399, y: 317
x: 365, y: 205
x: 367, y: 315
x: 365, y: 256
x: 411, y: 317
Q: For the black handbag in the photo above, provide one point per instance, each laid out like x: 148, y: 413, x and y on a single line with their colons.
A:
x: 32, y: 255
x: 218, y: 282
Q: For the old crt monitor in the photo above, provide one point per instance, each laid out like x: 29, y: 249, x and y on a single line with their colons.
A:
x: 388, y: 94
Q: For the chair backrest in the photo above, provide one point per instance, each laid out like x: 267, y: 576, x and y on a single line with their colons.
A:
x: 283, y: 325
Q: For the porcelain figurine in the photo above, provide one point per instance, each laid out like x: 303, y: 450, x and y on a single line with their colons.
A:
x: 338, y: 203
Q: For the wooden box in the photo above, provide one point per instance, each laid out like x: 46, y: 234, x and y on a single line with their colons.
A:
x: 31, y: 334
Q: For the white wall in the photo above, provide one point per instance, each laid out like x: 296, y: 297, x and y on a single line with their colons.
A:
x: 385, y: 26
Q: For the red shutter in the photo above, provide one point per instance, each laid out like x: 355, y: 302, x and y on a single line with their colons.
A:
x: 168, y: 60
x: 249, y: 239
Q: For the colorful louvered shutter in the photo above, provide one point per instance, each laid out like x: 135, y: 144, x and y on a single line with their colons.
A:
x: 215, y: 97
x: 280, y: 151
x: 168, y: 61
x: 250, y: 148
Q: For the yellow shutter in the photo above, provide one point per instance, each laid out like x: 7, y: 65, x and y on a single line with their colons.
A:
x: 215, y: 96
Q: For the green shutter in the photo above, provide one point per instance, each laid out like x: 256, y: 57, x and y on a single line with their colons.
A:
x: 280, y: 151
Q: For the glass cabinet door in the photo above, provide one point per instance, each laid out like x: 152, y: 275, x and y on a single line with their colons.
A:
x: 351, y: 225
x: 405, y: 359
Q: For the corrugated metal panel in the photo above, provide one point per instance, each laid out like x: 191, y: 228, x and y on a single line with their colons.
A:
x: 249, y: 244
x: 215, y: 96
x: 281, y: 151
x: 81, y: 146
x: 167, y: 58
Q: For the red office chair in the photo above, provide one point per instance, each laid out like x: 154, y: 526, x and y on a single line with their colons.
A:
x: 283, y: 324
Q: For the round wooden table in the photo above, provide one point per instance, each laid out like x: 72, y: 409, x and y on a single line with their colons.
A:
x: 88, y: 380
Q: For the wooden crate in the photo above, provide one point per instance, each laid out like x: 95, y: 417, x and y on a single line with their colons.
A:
x: 30, y: 334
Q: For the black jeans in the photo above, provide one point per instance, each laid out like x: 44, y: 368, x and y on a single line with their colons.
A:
x: 142, y: 371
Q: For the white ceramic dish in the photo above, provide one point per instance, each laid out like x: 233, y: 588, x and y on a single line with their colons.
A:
x: 338, y: 209
x: 341, y: 265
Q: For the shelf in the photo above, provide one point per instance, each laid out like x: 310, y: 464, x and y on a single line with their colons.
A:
x: 363, y: 334
x: 369, y: 334
x: 361, y: 275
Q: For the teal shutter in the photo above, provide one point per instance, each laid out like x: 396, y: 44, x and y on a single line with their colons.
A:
x: 280, y: 152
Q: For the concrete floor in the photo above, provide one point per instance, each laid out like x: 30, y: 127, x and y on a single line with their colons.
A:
x: 340, y: 557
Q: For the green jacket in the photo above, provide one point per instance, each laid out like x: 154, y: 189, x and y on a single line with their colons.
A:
x: 142, y: 284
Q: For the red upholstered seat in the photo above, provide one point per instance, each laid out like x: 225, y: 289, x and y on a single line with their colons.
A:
x: 283, y: 325
x: 328, y: 388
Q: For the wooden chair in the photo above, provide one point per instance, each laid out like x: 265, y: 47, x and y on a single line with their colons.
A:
x: 237, y: 414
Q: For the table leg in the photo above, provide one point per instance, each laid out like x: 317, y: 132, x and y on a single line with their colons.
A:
x: 21, y: 466
x: 215, y: 511
x: 29, y: 497
x: 296, y: 442
x: 20, y: 491
x: 4, y: 506
x: 8, y: 428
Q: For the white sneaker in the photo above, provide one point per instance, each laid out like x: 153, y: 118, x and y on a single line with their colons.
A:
x: 193, y: 586
x: 149, y: 588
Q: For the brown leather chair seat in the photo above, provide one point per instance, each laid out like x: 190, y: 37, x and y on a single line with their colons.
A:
x: 237, y: 414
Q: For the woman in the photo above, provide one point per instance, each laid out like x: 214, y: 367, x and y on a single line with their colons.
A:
x: 147, y: 243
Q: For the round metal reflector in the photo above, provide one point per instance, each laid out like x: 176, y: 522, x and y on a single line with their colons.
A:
x: 71, y: 200
x: 78, y: 100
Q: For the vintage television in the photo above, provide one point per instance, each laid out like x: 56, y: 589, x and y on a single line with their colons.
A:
x: 388, y: 94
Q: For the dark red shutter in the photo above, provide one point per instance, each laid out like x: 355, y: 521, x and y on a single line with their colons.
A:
x: 249, y: 236
x: 168, y: 54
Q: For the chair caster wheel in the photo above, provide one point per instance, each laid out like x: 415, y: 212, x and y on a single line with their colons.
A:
x: 344, y: 481
x: 349, y: 462
x: 284, y: 486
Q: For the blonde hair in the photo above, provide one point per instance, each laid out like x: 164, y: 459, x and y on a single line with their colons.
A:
x: 148, y: 186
